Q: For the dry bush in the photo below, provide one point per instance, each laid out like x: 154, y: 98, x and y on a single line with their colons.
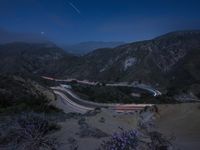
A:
x: 29, y: 132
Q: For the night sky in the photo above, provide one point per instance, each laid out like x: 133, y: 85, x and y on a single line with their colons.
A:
x: 99, y: 20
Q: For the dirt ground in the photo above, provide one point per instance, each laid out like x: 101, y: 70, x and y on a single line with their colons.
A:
x: 107, y: 122
x: 183, y: 122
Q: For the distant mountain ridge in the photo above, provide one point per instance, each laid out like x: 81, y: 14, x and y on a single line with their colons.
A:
x: 173, y: 58
x: 86, y: 47
x: 9, y: 37
x: 77, y: 49
x: 30, y: 58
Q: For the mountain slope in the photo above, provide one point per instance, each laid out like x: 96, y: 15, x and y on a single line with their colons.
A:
x: 23, y: 93
x: 8, y: 37
x: 155, y: 61
x: 86, y: 47
x: 30, y: 58
x: 171, y: 59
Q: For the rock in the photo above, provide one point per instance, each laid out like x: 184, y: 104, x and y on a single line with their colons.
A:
x: 87, y: 131
x: 102, y: 120
x: 73, y: 144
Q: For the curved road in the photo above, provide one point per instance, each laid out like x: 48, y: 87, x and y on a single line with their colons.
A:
x: 82, y: 106
x: 70, y: 105
x: 75, y: 103
x: 141, y: 86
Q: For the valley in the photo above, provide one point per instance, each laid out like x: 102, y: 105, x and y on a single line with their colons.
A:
x: 142, y: 86
x: 99, y: 75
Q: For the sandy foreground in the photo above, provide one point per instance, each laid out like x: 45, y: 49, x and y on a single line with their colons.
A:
x: 181, y: 121
x: 111, y: 123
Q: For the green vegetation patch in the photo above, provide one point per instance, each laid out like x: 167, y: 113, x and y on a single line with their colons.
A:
x: 19, y: 94
x: 103, y: 94
x: 121, y: 94
x: 106, y: 94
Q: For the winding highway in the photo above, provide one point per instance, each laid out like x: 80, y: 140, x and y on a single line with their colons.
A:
x: 76, y: 104
x: 148, y: 88
x: 79, y: 105
x: 69, y: 104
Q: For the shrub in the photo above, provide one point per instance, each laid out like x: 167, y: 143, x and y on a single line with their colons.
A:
x: 30, y: 132
x: 136, y: 140
x: 121, y: 141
